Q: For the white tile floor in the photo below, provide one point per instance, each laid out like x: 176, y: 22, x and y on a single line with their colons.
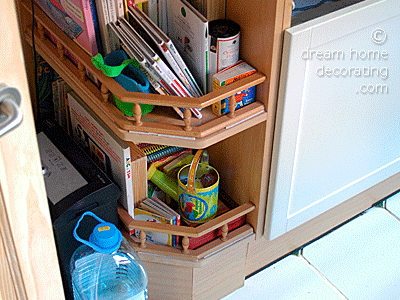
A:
x: 359, y: 260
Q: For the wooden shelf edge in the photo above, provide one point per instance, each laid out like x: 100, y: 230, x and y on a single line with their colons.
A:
x: 206, y: 250
x: 200, y: 136
x: 193, y: 142
x: 184, y: 230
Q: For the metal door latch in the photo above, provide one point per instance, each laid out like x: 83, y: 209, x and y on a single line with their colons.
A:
x: 10, y: 113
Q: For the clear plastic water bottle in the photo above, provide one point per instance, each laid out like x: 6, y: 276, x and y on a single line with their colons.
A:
x: 106, y: 266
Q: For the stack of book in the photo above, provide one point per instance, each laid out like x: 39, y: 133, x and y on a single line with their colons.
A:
x: 60, y: 90
x: 188, y: 29
x: 170, y: 41
x: 155, y: 173
x: 155, y: 210
x: 78, y: 19
x: 145, y: 42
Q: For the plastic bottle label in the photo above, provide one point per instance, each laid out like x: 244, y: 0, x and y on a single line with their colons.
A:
x: 104, y: 228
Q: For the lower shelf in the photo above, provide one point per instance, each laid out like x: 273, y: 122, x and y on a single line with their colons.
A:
x: 184, y: 250
x: 212, y: 277
x: 210, y: 271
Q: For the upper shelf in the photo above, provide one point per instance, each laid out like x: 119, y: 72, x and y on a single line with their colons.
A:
x: 162, y: 125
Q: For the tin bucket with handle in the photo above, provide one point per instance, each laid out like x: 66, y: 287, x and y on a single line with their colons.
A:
x: 198, y: 185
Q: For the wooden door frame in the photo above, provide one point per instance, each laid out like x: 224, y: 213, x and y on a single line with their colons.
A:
x: 10, y: 273
x: 29, y: 266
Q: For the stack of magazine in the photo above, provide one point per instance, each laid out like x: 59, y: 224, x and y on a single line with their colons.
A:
x: 144, y: 41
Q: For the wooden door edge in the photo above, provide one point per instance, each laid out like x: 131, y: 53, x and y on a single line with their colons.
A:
x: 13, y: 284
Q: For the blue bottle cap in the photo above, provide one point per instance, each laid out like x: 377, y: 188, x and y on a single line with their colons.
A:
x: 106, y: 237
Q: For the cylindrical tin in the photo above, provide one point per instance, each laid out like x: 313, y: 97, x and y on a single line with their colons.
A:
x: 224, y: 45
x: 198, y: 191
x: 200, y: 205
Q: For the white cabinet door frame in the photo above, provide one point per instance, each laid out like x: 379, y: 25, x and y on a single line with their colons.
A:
x: 338, y: 126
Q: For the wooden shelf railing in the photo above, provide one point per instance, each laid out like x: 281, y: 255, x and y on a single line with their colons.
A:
x: 219, y: 222
x: 162, y: 120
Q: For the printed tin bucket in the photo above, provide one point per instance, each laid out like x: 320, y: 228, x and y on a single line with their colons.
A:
x: 198, y: 191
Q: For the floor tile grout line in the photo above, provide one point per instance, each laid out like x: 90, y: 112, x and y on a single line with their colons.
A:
x: 322, y: 276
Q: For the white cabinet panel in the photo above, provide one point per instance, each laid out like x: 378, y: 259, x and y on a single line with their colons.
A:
x: 338, y: 117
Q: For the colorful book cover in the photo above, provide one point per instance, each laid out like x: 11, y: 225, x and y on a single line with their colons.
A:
x: 150, y: 31
x: 159, y: 238
x: 109, y: 152
x: 162, y: 153
x: 227, y: 76
x: 188, y: 30
x: 75, y: 18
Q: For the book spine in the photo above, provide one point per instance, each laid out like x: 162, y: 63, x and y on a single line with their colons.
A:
x: 153, y: 75
x: 162, y: 42
x: 103, y: 20
x: 163, y: 153
x: 88, y: 17
x: 173, y: 82
x: 112, y: 12
x: 119, y: 4
x: 64, y: 89
x: 186, y: 72
x: 96, y: 25
x: 128, y: 179
x: 178, y: 71
x: 153, y: 148
x: 56, y: 100
x: 159, y: 87
x: 206, y: 61
x: 164, y: 79
x: 172, y: 79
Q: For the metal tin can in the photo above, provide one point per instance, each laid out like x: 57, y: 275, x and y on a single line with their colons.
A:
x: 198, y: 185
x: 224, y: 38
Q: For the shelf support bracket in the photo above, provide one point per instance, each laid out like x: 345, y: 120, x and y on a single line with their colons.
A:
x: 104, y: 93
x: 185, y: 244
x: 137, y: 112
x: 187, y: 117
x: 232, y: 106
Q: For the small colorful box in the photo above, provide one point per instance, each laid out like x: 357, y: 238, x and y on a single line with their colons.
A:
x: 227, y: 76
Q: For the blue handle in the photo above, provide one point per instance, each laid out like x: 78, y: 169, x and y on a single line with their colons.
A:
x: 78, y: 238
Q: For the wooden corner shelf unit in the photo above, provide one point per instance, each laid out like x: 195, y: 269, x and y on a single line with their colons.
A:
x: 162, y: 121
x: 239, y: 143
x: 240, y: 146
